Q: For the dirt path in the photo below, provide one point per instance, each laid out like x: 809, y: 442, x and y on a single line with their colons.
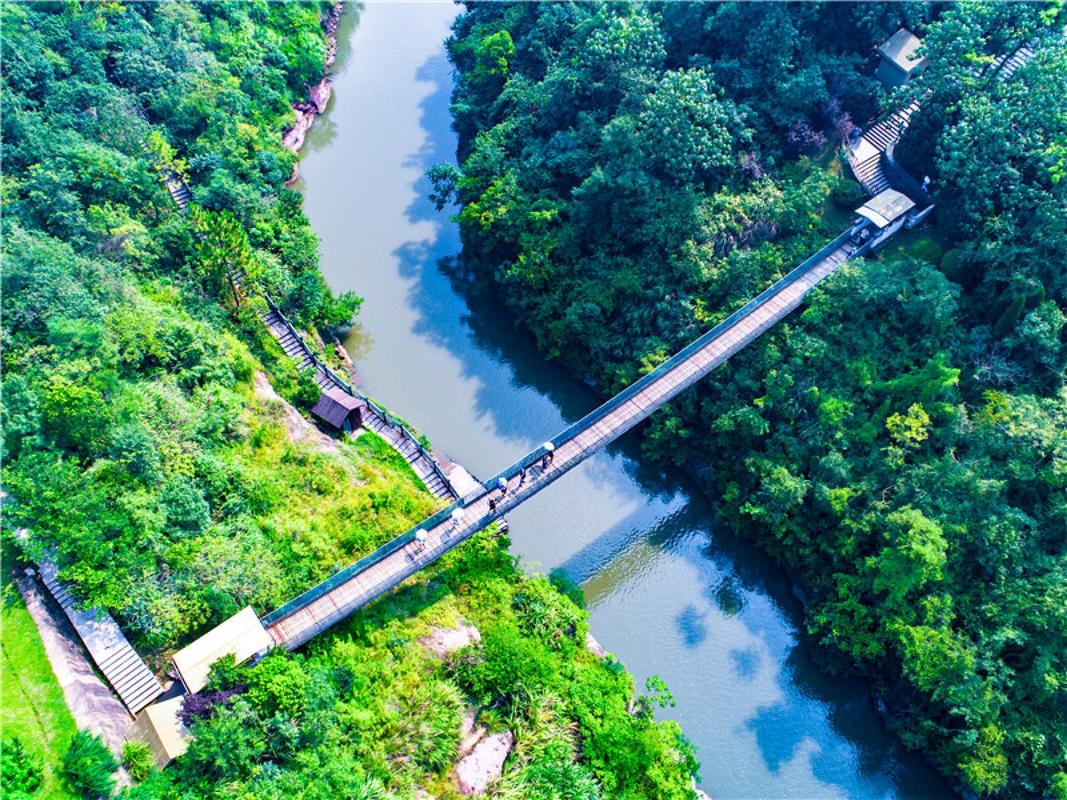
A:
x: 299, y: 429
x: 90, y: 701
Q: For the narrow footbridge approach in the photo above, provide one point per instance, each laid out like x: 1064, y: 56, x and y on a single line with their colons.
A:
x: 353, y: 587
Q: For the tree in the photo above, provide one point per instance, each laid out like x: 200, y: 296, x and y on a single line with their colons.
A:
x: 688, y: 132
x: 914, y: 556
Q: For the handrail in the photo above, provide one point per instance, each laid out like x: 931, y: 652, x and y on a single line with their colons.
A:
x: 384, y: 415
x: 597, y: 414
x: 342, y: 384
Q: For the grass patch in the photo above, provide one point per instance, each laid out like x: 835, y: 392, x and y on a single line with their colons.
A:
x: 33, y: 708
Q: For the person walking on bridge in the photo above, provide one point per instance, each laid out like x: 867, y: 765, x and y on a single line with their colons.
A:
x: 420, y: 540
x: 550, y: 452
x: 502, y: 485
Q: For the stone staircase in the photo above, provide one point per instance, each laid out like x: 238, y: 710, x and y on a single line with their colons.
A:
x: 179, y: 191
x: 1009, y: 64
x: 866, y: 159
x: 866, y: 156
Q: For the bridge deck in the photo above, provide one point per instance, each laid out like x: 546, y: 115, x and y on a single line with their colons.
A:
x: 303, y: 618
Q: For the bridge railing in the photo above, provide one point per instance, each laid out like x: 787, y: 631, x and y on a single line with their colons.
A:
x: 590, y: 419
x: 649, y: 378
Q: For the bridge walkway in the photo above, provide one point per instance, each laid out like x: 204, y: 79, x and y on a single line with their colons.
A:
x: 331, y: 601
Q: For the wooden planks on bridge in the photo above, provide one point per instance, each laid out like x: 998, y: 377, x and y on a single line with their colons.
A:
x: 319, y: 608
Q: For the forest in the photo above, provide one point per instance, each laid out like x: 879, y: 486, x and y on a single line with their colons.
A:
x: 149, y: 449
x: 631, y: 174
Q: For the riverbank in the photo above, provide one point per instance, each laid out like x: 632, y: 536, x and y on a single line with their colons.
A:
x: 318, y: 97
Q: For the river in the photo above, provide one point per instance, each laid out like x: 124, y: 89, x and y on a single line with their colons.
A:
x: 670, y: 592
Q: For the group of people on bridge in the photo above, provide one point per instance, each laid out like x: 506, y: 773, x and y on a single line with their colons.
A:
x: 502, y: 486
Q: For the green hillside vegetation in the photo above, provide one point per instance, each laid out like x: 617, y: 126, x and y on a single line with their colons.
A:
x: 631, y: 174
x: 143, y: 450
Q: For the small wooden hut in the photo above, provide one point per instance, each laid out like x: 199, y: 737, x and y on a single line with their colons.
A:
x: 899, y: 60
x: 338, y: 409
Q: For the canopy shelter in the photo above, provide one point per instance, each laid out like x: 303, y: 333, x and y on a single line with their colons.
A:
x: 899, y: 58
x: 241, y: 636
x: 338, y: 409
x: 886, y: 207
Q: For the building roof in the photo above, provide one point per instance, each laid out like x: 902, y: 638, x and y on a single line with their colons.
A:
x: 334, y: 406
x: 900, y: 48
x: 885, y: 207
x: 241, y: 636
x: 160, y: 727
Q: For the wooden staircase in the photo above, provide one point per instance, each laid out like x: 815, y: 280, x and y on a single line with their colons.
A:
x: 112, y: 653
x: 375, y: 417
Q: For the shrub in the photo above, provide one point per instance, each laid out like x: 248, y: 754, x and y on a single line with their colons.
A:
x: 926, y: 251
x: 21, y: 771
x: 137, y: 757
x: 89, y: 766
x: 307, y: 391
x: 951, y: 263
x: 847, y: 193
x: 504, y: 665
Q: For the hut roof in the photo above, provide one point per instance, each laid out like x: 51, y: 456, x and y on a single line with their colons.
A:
x: 160, y: 727
x: 241, y: 636
x: 334, y: 406
x: 885, y: 207
x: 900, y: 48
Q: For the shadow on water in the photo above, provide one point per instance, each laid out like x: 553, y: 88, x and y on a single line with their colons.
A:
x: 828, y: 719
x: 455, y: 314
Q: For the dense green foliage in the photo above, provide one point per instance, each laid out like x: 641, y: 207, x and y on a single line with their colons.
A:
x: 146, y: 451
x: 20, y: 771
x: 370, y: 712
x: 631, y: 174
x: 134, y: 440
x: 89, y: 766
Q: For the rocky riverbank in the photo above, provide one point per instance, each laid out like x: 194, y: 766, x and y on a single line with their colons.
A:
x: 319, y: 94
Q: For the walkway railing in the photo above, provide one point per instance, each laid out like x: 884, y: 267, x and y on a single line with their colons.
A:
x: 342, y: 384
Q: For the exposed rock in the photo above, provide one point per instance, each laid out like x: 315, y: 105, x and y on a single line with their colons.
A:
x: 318, y: 95
x: 330, y: 24
x: 306, y: 111
x: 442, y: 641
x: 484, y: 763
x: 594, y: 647
x: 299, y: 429
x: 470, y: 734
x: 346, y: 360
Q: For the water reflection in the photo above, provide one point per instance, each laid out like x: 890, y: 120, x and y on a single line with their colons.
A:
x: 668, y: 591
